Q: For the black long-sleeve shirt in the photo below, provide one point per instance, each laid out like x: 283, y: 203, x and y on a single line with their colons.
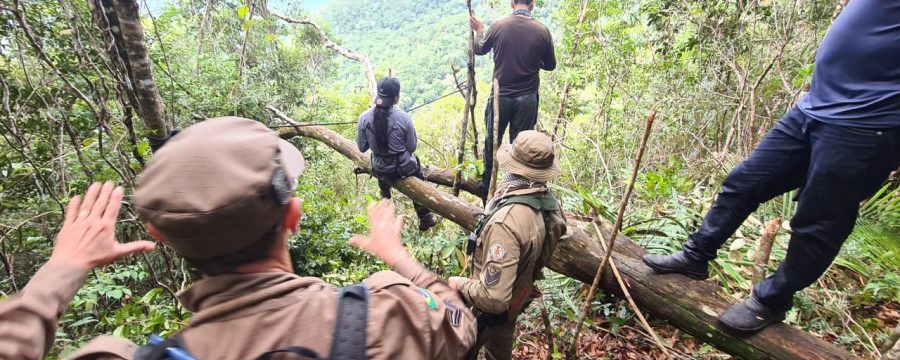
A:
x: 522, y: 47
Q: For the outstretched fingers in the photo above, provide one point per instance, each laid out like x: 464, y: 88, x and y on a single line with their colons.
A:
x: 72, y: 210
x: 398, y: 222
x: 99, y: 205
x: 386, y: 210
x: 134, y: 247
x: 115, y: 203
x: 358, y: 240
x: 88, y: 203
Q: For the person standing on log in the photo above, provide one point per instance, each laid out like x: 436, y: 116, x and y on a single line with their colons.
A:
x: 837, y: 146
x: 522, y: 47
x: 391, y: 135
x: 220, y: 194
x: 513, y: 242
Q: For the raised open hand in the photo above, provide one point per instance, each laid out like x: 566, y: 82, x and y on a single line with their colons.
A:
x: 384, y: 234
x: 88, y: 238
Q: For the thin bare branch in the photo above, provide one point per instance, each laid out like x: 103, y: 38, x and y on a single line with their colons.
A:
x: 367, y: 65
x: 585, y: 307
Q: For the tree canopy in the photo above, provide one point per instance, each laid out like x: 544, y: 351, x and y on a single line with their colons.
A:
x: 718, y: 74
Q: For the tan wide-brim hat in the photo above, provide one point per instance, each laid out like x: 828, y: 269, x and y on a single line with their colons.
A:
x: 530, y: 156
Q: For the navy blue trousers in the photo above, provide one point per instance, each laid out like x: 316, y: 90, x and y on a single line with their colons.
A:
x: 835, y: 168
x: 384, y: 185
x: 518, y: 113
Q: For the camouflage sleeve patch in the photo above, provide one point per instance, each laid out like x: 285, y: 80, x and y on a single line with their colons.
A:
x: 492, y: 275
x: 454, y: 313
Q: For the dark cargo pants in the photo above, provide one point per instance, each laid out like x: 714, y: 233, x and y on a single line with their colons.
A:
x: 496, y: 340
x: 519, y: 113
x: 384, y: 185
x: 496, y: 332
x: 835, y: 167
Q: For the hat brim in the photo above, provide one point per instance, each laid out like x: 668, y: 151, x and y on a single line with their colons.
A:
x: 291, y: 159
x: 509, y: 164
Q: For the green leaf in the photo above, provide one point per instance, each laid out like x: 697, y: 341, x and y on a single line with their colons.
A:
x: 150, y: 295
x: 143, y: 148
x: 448, y: 251
x: 247, y: 24
x: 460, y: 257
x: 119, y: 330
x: 88, y: 142
x: 807, y: 70
x: 81, y: 322
x: 243, y: 11
x: 115, y: 294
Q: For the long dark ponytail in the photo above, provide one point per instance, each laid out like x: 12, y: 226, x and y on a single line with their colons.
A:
x: 380, y: 123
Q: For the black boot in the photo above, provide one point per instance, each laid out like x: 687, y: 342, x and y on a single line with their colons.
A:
x: 678, y: 263
x: 427, y: 222
x: 750, y: 316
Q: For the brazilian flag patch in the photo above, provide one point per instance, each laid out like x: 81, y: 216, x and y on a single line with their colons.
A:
x: 429, y: 298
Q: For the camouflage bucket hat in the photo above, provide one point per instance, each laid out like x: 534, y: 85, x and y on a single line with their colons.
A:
x: 530, y: 156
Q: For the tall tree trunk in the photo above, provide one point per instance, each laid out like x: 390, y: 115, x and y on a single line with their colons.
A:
x: 151, y: 107
x: 120, y: 25
x: 469, y: 108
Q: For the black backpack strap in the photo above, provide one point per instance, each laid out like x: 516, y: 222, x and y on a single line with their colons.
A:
x: 348, y: 342
x: 546, y: 203
x: 545, y: 247
x: 349, y: 339
x: 536, y: 202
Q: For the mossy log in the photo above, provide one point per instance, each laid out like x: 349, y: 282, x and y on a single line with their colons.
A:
x: 689, y: 305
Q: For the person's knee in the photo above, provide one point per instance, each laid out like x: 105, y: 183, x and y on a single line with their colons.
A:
x: 739, y: 183
x: 823, y: 234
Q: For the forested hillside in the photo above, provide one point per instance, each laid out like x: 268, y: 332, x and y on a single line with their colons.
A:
x: 717, y: 73
x: 419, y: 42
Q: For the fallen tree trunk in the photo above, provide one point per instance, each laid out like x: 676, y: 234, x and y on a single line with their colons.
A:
x: 443, y: 177
x: 689, y: 305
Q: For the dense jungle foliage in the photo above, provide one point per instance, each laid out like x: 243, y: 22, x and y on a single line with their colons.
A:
x: 719, y: 73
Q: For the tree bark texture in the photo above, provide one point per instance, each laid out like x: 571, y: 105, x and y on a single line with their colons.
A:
x: 690, y: 305
x: 764, y: 250
x: 149, y: 103
x: 461, y: 149
x: 891, y: 348
x: 495, y: 95
x: 468, y: 109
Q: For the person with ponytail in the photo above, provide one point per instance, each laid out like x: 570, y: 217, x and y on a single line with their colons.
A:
x: 390, y: 133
